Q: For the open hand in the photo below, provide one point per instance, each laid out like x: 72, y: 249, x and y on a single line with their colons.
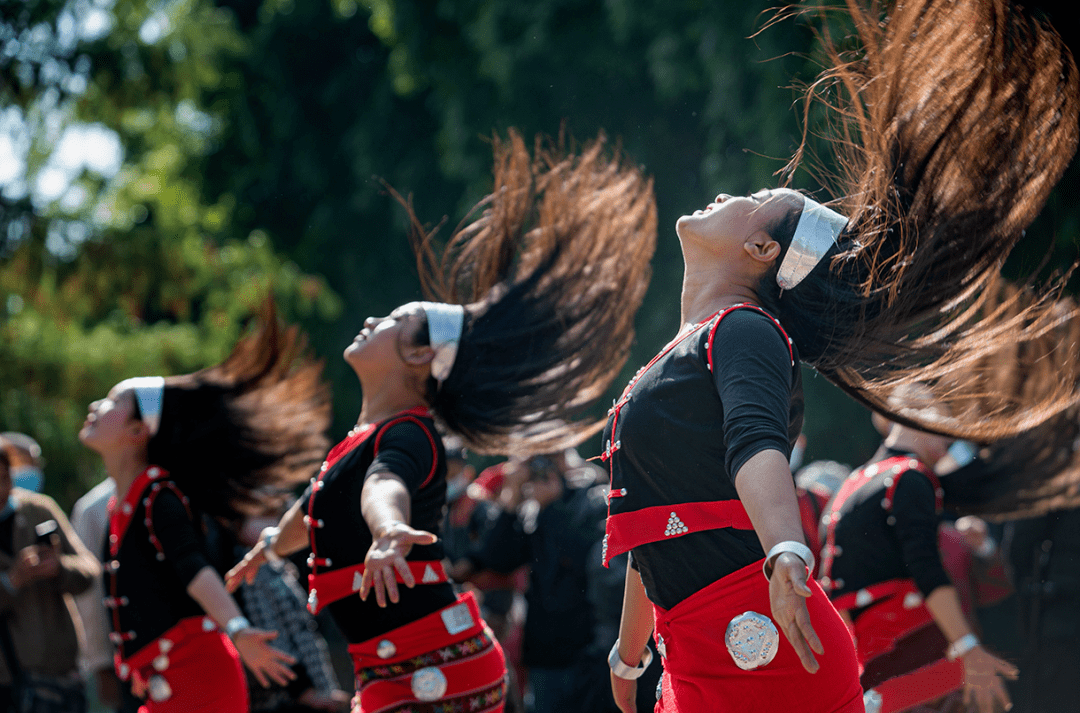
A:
x: 266, y: 663
x: 788, y: 593
x: 386, y: 559
x: 982, y: 680
x: 246, y: 569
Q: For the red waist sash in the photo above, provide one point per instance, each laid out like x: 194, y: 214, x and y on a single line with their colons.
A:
x: 628, y: 530
x: 327, y: 587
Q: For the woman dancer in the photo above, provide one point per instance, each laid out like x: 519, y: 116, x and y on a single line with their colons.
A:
x: 960, y: 117
x: 181, y: 448
x: 524, y: 339
x: 881, y: 565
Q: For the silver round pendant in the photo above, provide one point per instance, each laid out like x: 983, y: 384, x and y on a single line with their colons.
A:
x: 386, y: 649
x: 158, y: 689
x: 428, y: 684
x: 752, y: 640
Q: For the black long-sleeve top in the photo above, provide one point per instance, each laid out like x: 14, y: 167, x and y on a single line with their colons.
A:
x: 685, y: 433
x: 879, y: 544
x: 415, y: 454
x: 152, y: 589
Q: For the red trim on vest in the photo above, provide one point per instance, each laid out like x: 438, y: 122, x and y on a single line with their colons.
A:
x: 338, y: 452
x: 431, y: 439
x: 331, y: 586
x: 120, y: 517
x: 858, y: 478
x: 628, y: 530
x: 745, y: 305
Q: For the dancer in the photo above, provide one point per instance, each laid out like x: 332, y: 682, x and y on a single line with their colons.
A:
x: 883, y: 570
x: 180, y: 449
x: 523, y: 340
x: 960, y: 117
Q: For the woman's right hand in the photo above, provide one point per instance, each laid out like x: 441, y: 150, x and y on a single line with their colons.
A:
x: 247, y: 568
x: 982, y: 680
x: 788, y: 593
x: 625, y: 693
x: 265, y: 662
x: 386, y: 559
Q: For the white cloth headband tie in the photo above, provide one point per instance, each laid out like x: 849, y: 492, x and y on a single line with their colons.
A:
x: 817, y: 231
x: 148, y: 394
x: 445, y: 322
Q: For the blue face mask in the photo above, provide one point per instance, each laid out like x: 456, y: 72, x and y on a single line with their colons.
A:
x: 28, y: 477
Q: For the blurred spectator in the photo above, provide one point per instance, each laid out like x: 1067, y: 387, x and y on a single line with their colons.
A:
x: 275, y: 601
x: 1044, y: 561
x: 90, y: 520
x: 26, y: 461
x: 42, y: 564
x: 552, y: 515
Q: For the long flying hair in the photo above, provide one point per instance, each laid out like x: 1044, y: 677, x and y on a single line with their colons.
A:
x: 951, y: 125
x: 551, y: 274
x: 235, y: 434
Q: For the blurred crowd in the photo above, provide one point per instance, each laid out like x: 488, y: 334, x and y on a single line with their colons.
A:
x: 525, y: 537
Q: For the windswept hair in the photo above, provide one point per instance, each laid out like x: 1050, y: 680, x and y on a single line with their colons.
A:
x: 951, y: 125
x: 1038, y: 470
x: 234, y: 435
x: 551, y: 274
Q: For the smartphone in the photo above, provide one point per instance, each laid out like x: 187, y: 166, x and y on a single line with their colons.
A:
x: 45, y: 532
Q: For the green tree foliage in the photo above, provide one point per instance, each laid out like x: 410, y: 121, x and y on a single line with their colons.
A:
x: 117, y: 270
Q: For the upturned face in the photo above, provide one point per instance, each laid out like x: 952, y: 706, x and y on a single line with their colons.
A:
x: 730, y: 221
x: 111, y: 422
x: 383, y: 340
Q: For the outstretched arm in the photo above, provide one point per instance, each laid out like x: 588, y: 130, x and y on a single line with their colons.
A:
x: 385, y: 505
x: 635, y: 627
x: 767, y: 492
x: 291, y: 537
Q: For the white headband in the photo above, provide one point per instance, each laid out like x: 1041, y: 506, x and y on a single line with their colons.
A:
x: 445, y: 322
x: 816, y: 232
x: 148, y: 394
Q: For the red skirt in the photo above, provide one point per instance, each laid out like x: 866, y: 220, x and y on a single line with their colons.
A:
x: 901, y: 649
x: 191, y: 668
x: 700, y: 673
x: 446, y: 661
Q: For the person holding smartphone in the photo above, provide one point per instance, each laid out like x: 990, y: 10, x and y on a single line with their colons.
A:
x: 42, y: 565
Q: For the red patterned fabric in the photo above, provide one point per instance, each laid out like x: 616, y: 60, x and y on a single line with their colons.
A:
x: 700, y: 674
x: 455, y: 641
x: 200, y: 668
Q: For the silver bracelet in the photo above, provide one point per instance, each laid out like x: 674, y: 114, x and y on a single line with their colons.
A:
x: 268, y: 538
x: 961, y: 646
x: 796, y: 548
x: 235, y: 625
x: 623, y: 670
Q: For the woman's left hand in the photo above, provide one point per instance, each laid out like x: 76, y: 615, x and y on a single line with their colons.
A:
x: 386, y: 559
x: 788, y: 593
